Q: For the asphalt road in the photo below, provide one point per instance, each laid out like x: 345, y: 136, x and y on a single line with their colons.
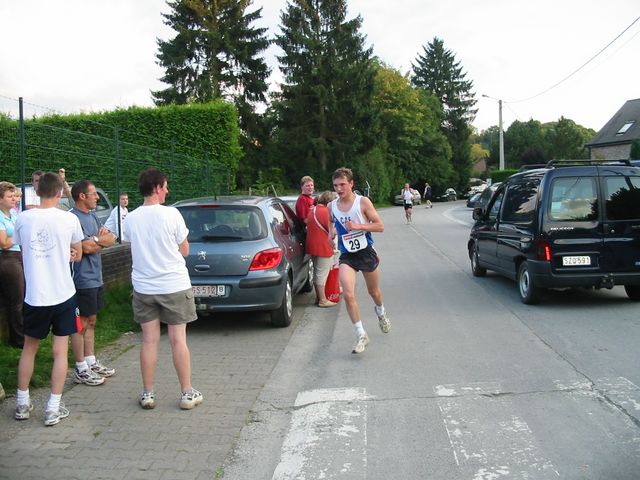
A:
x: 469, y: 384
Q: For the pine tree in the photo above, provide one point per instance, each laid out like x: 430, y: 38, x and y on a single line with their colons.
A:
x: 324, y: 110
x: 215, y: 53
x: 438, y: 72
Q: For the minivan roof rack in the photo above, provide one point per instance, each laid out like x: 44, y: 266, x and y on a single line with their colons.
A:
x: 564, y: 163
x: 532, y: 166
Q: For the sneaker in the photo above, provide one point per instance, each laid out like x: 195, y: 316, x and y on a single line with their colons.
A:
x: 384, y: 322
x: 361, y: 344
x: 88, y: 377
x: 147, y: 400
x: 101, y: 370
x: 53, y: 418
x: 24, y: 411
x: 190, y: 399
x: 326, y: 304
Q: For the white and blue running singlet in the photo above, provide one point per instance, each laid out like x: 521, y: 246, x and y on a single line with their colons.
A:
x: 354, y: 241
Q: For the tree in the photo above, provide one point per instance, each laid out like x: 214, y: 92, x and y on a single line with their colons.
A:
x: 438, y: 72
x: 413, y: 146
x: 324, y: 109
x: 524, y: 142
x: 566, y: 140
x: 215, y: 54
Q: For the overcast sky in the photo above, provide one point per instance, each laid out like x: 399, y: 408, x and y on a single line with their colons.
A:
x: 74, y: 56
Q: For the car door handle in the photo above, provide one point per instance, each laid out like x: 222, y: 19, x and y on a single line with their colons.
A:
x: 202, y: 268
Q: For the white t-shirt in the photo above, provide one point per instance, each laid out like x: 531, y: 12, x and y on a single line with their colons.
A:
x: 112, y: 222
x: 30, y: 196
x: 45, y: 236
x: 155, y: 232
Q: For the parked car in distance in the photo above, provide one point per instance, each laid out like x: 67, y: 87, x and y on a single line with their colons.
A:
x: 449, y: 195
x: 570, y: 224
x: 485, y: 195
x: 246, y: 254
x: 474, y: 200
x: 103, y: 207
x: 415, y: 197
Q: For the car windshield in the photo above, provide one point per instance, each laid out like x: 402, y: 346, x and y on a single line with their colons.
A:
x: 216, y: 223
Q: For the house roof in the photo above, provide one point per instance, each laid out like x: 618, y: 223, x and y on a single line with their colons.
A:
x: 622, y: 128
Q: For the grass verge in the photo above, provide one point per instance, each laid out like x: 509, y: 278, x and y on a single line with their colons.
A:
x: 115, y: 319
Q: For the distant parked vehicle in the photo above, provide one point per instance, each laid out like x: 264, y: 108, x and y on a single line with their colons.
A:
x: 246, y: 254
x: 449, y: 195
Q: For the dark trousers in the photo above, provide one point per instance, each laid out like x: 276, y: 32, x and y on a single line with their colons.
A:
x: 12, y: 293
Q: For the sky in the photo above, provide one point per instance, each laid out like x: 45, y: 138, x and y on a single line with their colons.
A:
x: 72, y: 56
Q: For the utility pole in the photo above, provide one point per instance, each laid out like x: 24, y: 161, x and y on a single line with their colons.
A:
x: 501, y: 139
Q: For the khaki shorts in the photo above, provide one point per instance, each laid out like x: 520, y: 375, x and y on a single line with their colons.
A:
x: 321, y: 267
x: 170, y: 308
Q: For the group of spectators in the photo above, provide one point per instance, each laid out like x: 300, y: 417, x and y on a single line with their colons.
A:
x: 51, y: 270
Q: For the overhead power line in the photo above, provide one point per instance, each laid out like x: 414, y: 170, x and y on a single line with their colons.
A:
x: 579, y: 68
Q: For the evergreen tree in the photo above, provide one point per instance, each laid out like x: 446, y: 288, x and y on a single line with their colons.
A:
x: 325, y: 115
x: 438, y: 72
x: 215, y: 54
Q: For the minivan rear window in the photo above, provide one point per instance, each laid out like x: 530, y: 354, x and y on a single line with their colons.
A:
x: 573, y: 199
x: 622, y: 196
x: 216, y: 223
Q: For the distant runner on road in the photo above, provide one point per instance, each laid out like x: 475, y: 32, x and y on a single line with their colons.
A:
x: 354, y: 218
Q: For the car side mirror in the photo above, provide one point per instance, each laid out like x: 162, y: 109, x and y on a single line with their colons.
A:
x: 477, y: 213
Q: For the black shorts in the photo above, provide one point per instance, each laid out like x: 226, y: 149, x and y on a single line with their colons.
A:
x: 366, y: 260
x: 90, y: 300
x: 60, y: 319
x: 408, y: 206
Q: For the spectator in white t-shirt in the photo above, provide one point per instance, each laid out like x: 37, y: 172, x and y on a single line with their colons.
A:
x: 31, y: 197
x: 48, y: 238
x: 112, y: 222
x: 161, y: 286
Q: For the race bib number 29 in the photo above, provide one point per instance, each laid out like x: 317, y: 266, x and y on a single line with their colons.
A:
x: 354, y: 241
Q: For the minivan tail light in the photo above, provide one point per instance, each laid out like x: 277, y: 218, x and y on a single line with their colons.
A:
x: 543, y: 250
x: 266, y: 259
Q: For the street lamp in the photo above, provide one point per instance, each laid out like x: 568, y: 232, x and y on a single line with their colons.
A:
x: 501, y: 144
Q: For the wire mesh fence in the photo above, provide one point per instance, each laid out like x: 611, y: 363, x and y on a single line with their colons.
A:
x: 103, y: 158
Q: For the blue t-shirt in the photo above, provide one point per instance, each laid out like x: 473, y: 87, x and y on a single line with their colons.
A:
x: 8, y: 224
x: 88, y: 273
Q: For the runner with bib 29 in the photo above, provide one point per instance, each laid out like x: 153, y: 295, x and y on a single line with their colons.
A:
x: 354, y: 219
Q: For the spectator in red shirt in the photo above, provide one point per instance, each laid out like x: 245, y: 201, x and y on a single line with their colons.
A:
x: 305, y: 200
x: 320, y: 245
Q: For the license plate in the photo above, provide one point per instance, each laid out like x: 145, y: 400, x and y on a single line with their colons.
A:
x: 576, y: 260
x: 209, y: 290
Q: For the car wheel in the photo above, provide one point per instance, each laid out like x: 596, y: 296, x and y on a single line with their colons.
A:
x: 633, y: 292
x: 476, y: 269
x: 529, y: 293
x: 281, y: 317
x: 308, y: 285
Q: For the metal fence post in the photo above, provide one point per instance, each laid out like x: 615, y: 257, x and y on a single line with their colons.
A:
x: 22, y: 155
x: 116, y: 135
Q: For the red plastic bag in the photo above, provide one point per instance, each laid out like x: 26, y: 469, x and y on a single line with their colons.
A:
x: 332, y: 285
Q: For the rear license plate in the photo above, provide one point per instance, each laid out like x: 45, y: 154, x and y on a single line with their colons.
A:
x: 209, y: 290
x: 576, y: 260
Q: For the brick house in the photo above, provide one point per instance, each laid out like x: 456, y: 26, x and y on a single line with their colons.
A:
x: 613, y: 141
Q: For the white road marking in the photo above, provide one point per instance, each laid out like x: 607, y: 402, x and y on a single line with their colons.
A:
x: 327, y: 437
x: 456, y: 220
x: 489, y: 440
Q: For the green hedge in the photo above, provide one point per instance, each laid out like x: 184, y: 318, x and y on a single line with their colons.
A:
x: 501, y: 175
x: 196, y: 145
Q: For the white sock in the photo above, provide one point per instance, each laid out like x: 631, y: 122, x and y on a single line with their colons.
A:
x: 380, y: 309
x: 91, y: 359
x: 82, y: 366
x: 358, y: 328
x: 22, y: 397
x: 54, y: 403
